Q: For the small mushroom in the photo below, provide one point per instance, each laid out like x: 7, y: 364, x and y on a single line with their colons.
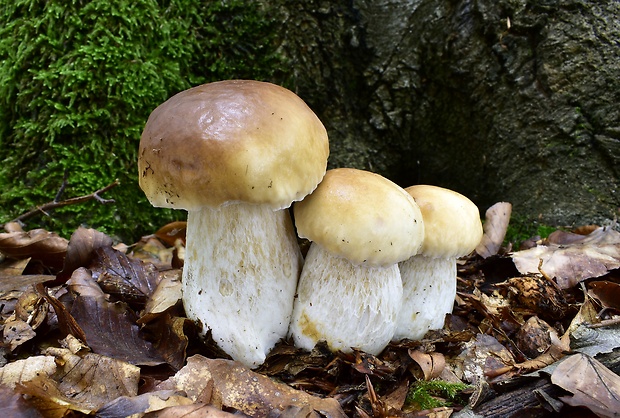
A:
x: 349, y: 294
x: 235, y: 154
x: 452, y: 229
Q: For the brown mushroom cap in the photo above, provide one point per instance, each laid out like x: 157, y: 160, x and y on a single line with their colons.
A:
x: 231, y: 141
x: 451, y: 221
x: 361, y: 216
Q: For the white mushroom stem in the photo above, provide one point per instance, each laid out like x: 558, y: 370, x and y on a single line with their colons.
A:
x: 241, y: 269
x: 429, y: 290
x: 345, y: 304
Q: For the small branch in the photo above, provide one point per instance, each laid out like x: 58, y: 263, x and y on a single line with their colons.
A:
x: 74, y: 200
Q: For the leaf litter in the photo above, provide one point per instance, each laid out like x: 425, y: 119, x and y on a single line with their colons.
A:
x: 93, y: 328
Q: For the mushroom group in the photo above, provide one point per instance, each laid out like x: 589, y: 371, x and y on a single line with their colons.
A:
x: 235, y: 155
x: 381, y: 266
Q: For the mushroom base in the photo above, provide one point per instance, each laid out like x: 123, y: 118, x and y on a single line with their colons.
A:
x: 345, y: 304
x: 242, y: 263
x: 429, y: 289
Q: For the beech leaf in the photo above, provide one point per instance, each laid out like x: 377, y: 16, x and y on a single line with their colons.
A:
x: 591, y: 256
x: 235, y: 386
x: 496, y: 222
x: 592, y: 384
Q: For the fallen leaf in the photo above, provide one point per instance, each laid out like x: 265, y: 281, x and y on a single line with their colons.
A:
x: 171, y: 232
x: 38, y: 244
x: 16, y: 333
x: 83, y: 243
x: 83, y: 383
x: 13, y: 405
x: 497, y: 218
x: 592, y: 384
x: 196, y: 411
x: 606, y: 293
x: 243, y: 389
x: 147, y: 402
x: 431, y: 364
x: 111, y: 330
x: 167, y: 293
x: 127, y: 279
x: 27, y: 369
x: 592, y: 256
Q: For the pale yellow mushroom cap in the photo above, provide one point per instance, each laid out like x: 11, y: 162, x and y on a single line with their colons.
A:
x: 451, y: 221
x: 232, y: 141
x: 362, y: 217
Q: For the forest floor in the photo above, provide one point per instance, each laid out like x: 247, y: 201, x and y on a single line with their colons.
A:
x: 90, y: 327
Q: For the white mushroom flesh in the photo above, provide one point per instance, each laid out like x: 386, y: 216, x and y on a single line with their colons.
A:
x: 345, y: 304
x: 429, y: 290
x: 241, y: 268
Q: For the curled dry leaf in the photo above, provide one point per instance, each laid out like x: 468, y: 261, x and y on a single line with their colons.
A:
x: 240, y: 388
x: 606, y: 293
x: 592, y: 256
x: 496, y: 222
x: 592, y: 384
x: 195, y: 411
x: 167, y: 293
x: 27, y: 369
x: 144, y: 403
x: 16, y: 333
x: 172, y: 232
x: 127, y: 279
x: 431, y: 364
x: 38, y: 244
x: 82, y: 384
x: 82, y: 244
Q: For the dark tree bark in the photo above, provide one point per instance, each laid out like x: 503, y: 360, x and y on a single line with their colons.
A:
x: 513, y: 100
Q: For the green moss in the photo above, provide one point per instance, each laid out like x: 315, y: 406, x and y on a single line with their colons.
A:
x: 424, y: 395
x: 521, y: 229
x: 78, y: 80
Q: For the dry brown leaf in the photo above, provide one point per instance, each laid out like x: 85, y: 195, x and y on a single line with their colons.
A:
x: 38, y: 244
x: 13, y: 405
x: 606, y: 293
x: 194, y: 411
x: 167, y: 293
x: 111, y: 330
x: 592, y: 256
x: 592, y: 384
x: 496, y: 222
x: 432, y: 364
x: 16, y: 333
x: 85, y: 383
x: 144, y: 403
x: 172, y: 232
x: 82, y: 244
x: 243, y: 389
x: 27, y: 369
x: 125, y: 278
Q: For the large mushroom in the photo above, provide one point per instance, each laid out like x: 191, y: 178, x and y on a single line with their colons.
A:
x: 349, y: 294
x: 235, y: 154
x: 452, y: 229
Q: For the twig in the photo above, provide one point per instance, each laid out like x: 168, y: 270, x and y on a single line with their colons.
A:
x: 72, y: 201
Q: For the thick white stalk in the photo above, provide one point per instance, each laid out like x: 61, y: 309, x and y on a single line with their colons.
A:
x: 242, y: 263
x: 429, y: 289
x: 345, y: 304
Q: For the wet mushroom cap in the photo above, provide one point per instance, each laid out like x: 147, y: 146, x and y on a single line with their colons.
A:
x: 362, y: 217
x: 231, y: 141
x: 451, y: 221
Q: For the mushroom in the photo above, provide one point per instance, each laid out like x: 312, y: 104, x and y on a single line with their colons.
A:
x: 452, y: 229
x: 349, y: 294
x: 235, y: 154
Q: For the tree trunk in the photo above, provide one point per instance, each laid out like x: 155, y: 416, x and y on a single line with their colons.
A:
x: 510, y: 100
